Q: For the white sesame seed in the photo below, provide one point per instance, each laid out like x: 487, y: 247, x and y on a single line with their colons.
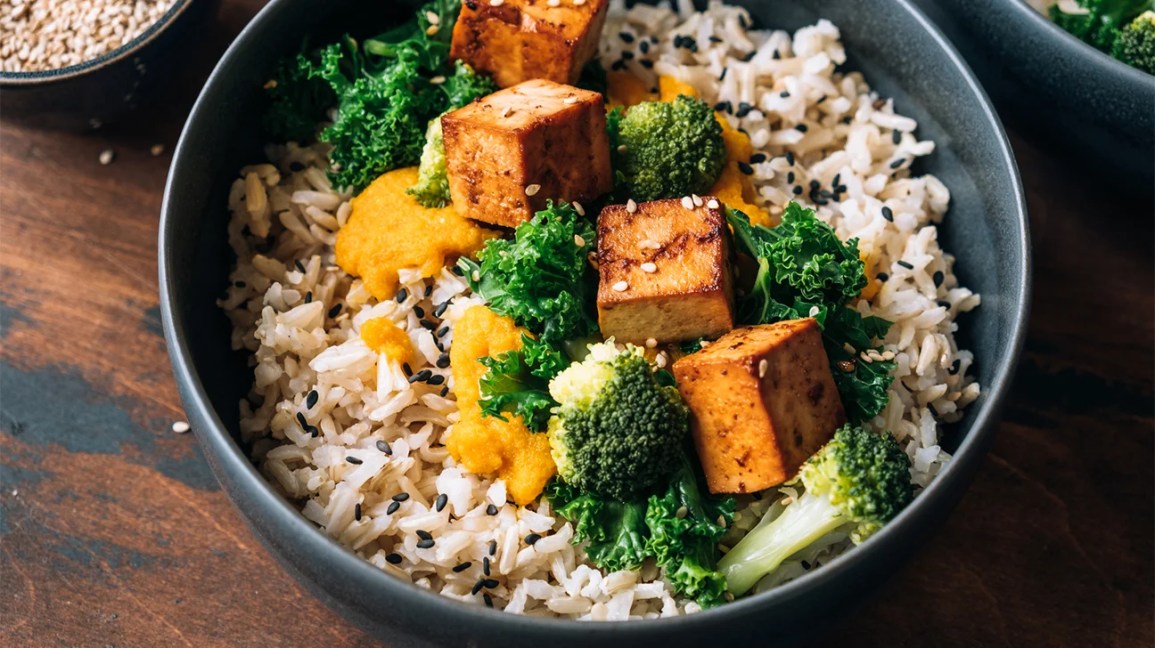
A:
x: 180, y: 427
x: 507, y: 111
x: 554, y: 3
x: 649, y: 244
x: 578, y: 3
x: 649, y: 267
x: 622, y: 148
x: 651, y: 343
x: 620, y: 286
x: 476, y: 275
x: 531, y: 190
x: 437, y: 80
x: 713, y: 204
x: 814, y: 310
x: 433, y: 18
x: 156, y: 150
x: 631, y: 206
x: 888, y: 355
x: 431, y: 30
x: 496, y: 3
x: 866, y: 358
x: 697, y: 200
x: 578, y: 240
x: 577, y: 207
x: 687, y: 202
x: 570, y: 100
x: 107, y: 156
x: 661, y: 360
x: 763, y: 365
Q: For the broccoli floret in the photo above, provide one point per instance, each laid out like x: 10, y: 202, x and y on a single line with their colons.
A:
x: 432, y: 187
x: 1100, y: 22
x: 667, y: 149
x: 617, y: 431
x: 1136, y: 44
x: 857, y: 482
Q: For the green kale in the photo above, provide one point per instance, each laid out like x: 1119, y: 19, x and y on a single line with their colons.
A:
x: 517, y: 382
x: 616, y: 531
x: 804, y: 270
x: 541, y: 278
x: 297, y: 103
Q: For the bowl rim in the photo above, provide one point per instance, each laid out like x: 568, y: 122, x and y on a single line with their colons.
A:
x: 38, y: 77
x: 1105, y: 64
x: 227, y: 456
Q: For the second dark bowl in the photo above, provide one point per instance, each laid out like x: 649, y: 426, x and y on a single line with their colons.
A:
x: 902, y: 55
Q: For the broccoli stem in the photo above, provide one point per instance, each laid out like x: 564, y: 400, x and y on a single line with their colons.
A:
x: 768, y: 544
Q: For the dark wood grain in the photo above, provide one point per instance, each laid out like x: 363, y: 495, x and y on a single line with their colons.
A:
x: 113, y: 531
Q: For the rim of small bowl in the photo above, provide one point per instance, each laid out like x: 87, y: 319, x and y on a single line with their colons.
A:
x: 232, y: 460
x: 1107, y: 64
x: 37, y: 77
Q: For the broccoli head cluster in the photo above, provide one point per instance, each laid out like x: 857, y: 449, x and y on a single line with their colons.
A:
x: 1125, y: 29
x: 618, y: 431
x: 667, y: 149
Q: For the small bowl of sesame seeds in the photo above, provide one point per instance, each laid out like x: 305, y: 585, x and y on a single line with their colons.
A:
x: 79, y: 64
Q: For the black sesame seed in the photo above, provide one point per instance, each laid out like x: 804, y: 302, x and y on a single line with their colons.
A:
x: 439, y: 504
x: 436, y: 379
x: 627, y: 55
x: 428, y: 290
x: 443, y: 361
x: 882, y: 276
x: 785, y: 94
x: 393, y: 506
x: 897, y: 163
x: 311, y: 399
x: 490, y: 583
x: 888, y: 213
x: 300, y: 266
x: 644, y: 47
x: 383, y: 446
x: 834, y: 182
x: 491, y: 510
x: 805, y: 565
x: 748, y: 57
x: 906, y: 264
x: 425, y: 544
x: 776, y: 55
x: 442, y: 331
x: 815, y: 185
x: 439, y: 310
x: 618, y: 65
x: 427, y: 324
x: 724, y: 106
x: 647, y: 63
x: 488, y: 599
x: 847, y: 119
x: 820, y: 100
x: 460, y: 567
x: 477, y: 586
x: 309, y: 297
x: 938, y: 278
x: 407, y: 369
x: 626, y: 37
x: 801, y: 128
x: 334, y: 311
x: 715, y: 39
x: 400, y: 497
x: 421, y: 376
x: 424, y: 535
x: 301, y: 419
x: 485, y: 565
x: 797, y: 190
x: 532, y: 538
x: 458, y: 271
x: 896, y: 136
x: 356, y: 461
x: 790, y: 158
x: 444, y: 391
x: 841, y: 189
x: 743, y: 109
x: 945, y: 304
x: 722, y: 76
x: 790, y: 178
x: 313, y: 431
x: 418, y: 311
x: 239, y: 284
x: 393, y: 558
x: 402, y: 295
x: 745, y: 168
x: 296, y: 166
x: 758, y: 158
x: 492, y: 547
x: 357, y: 511
x: 955, y: 366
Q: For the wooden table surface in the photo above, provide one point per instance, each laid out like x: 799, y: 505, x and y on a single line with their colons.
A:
x: 114, y: 532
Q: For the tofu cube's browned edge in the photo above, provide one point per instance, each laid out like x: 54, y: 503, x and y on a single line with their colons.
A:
x: 508, y: 153
x: 520, y: 40
x: 664, y: 271
x: 762, y: 401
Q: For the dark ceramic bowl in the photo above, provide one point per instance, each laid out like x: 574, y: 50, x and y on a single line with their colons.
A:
x: 902, y: 55
x: 102, y: 90
x: 1095, y: 110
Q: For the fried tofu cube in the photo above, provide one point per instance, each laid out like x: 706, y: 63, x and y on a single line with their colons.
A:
x: 519, y: 40
x: 664, y: 271
x: 509, y: 152
x: 762, y: 401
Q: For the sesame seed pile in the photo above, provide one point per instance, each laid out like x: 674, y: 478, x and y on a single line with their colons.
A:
x: 37, y: 35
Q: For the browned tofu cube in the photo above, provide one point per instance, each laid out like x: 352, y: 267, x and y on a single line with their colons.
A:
x: 506, y: 154
x: 519, y: 40
x: 762, y: 400
x: 664, y: 271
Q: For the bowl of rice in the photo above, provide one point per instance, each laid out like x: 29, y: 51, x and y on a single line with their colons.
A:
x: 330, y: 399
x: 1077, y: 98
x: 80, y: 65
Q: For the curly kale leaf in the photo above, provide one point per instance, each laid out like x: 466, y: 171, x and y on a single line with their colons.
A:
x: 541, y: 278
x: 297, y: 103
x: 804, y: 270
x: 517, y: 382
x: 615, y: 531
